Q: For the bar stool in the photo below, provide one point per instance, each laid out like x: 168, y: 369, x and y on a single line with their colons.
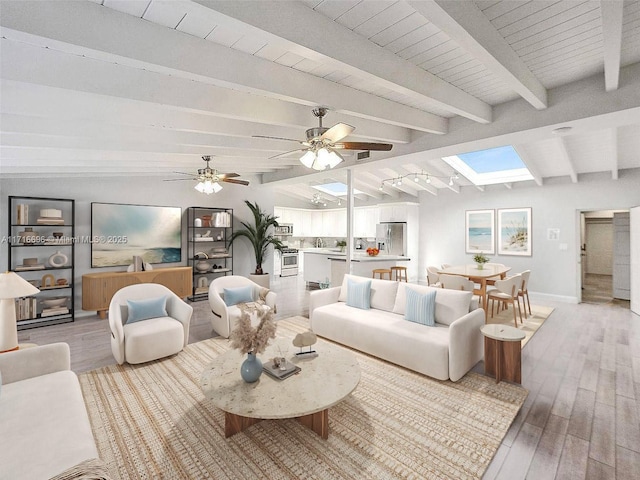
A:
x: 381, y: 272
x: 400, y: 273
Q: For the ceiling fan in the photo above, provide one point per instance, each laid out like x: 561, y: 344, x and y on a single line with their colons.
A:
x: 322, y: 144
x: 208, y: 178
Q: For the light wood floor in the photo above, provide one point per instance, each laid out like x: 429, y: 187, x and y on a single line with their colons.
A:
x: 582, y: 369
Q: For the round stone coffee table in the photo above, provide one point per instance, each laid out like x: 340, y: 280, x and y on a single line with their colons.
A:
x: 323, y: 382
x: 502, y: 352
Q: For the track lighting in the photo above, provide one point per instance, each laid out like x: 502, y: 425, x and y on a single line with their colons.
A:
x: 397, y: 181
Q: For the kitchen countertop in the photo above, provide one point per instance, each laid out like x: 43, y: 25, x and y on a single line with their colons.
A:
x: 359, y: 256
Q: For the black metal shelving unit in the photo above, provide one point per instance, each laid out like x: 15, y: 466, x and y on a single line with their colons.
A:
x: 43, y: 248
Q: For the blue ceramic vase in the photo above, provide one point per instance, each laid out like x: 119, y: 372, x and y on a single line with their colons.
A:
x: 251, y: 368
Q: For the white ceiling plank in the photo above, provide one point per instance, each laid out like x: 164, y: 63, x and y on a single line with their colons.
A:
x: 182, y: 55
x: 392, y: 37
x: 131, y: 7
x: 530, y: 163
x: 362, y: 12
x: 276, y: 18
x: 384, y: 19
x: 166, y: 12
x: 612, y: 152
x: 612, y: 30
x: 472, y: 30
x: 565, y: 158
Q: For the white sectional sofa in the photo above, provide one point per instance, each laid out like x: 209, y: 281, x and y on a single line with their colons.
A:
x: 447, y: 350
x: 44, y: 426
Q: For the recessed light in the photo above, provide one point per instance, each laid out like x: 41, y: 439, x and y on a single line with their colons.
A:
x: 561, y: 130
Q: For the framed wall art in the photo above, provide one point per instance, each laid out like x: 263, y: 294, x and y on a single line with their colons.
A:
x: 480, y: 231
x: 514, y: 231
x: 121, y: 231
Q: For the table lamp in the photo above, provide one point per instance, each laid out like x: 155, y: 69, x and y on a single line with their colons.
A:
x: 11, y: 286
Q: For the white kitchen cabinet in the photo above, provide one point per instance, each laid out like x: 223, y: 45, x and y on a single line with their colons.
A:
x: 306, y: 226
x: 317, y: 267
x: 365, y: 220
x: 334, y: 223
x: 396, y: 212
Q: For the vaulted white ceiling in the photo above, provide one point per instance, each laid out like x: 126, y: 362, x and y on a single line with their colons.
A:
x: 146, y: 87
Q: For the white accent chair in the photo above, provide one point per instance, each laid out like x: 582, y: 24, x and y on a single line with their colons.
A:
x: 225, y: 317
x: 149, y: 339
x: 506, y: 292
x: 456, y: 282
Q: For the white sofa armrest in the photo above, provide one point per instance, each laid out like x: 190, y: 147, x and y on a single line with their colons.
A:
x: 318, y: 298
x: 270, y: 300
x: 33, y: 362
x: 466, y: 344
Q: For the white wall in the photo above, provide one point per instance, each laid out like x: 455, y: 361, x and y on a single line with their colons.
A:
x: 137, y: 190
x: 555, y: 205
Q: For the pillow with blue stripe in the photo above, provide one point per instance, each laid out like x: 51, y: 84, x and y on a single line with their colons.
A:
x: 421, y: 307
x: 359, y: 294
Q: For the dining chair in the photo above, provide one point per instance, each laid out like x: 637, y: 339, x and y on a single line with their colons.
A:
x: 523, y: 291
x: 433, y: 278
x: 445, y: 265
x: 506, y: 292
x: 456, y: 282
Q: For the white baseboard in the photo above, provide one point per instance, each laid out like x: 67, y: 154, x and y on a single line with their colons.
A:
x: 539, y: 297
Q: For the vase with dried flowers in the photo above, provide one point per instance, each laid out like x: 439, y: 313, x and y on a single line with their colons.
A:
x: 252, y: 341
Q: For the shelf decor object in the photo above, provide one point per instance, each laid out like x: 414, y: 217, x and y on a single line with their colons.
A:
x: 208, y: 251
x: 12, y: 286
x: 41, y: 250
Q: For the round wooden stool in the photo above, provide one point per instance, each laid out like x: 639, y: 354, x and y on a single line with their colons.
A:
x: 400, y: 273
x: 381, y: 272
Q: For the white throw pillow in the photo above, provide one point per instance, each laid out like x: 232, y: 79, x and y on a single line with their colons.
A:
x: 450, y: 304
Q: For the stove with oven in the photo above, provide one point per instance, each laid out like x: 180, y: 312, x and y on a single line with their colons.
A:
x: 289, y: 262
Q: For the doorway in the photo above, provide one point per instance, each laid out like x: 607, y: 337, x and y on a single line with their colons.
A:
x: 604, y: 255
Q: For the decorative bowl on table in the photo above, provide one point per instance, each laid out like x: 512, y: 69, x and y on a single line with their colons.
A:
x: 372, y: 252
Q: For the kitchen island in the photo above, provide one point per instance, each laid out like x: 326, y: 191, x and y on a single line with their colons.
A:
x: 322, y: 264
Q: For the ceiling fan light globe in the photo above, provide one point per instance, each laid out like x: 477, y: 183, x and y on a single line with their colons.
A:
x: 308, y: 159
x: 334, y: 159
x: 323, y: 158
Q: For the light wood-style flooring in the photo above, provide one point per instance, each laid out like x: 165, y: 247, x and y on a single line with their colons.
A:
x: 582, y: 370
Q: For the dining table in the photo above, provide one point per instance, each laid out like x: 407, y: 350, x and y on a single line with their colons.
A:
x: 479, y: 276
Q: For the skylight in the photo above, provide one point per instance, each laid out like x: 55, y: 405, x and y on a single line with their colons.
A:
x: 494, y: 165
x: 337, y: 189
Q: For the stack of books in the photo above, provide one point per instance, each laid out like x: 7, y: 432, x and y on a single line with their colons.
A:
x: 26, y: 308
x: 22, y: 214
x: 24, y: 268
x: 49, y: 312
x: 278, y: 372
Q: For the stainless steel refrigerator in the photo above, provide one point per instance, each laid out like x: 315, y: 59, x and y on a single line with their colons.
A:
x: 391, y: 238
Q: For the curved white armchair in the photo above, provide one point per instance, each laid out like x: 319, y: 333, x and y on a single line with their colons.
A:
x: 225, y: 317
x: 150, y: 339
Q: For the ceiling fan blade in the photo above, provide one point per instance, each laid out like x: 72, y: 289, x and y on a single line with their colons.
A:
x: 337, y: 132
x: 228, y: 175
x: 385, y: 147
x: 276, y: 138
x: 287, y: 153
x: 183, y: 173
x: 180, y: 179
x: 233, y: 180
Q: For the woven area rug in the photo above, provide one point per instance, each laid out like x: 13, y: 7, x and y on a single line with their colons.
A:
x: 152, y: 421
x: 529, y: 325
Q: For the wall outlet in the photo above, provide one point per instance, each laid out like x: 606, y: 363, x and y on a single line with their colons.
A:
x: 564, y: 246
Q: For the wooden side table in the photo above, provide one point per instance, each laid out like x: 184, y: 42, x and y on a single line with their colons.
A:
x: 502, y: 352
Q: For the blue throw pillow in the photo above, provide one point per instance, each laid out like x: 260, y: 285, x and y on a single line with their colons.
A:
x: 421, y: 307
x: 233, y: 296
x: 359, y: 294
x: 146, y: 309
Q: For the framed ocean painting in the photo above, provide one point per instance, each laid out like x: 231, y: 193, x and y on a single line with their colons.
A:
x: 514, y: 231
x: 119, y: 232
x: 480, y: 231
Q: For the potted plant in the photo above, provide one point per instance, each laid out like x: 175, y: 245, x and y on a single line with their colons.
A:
x: 480, y: 259
x: 341, y: 244
x: 260, y: 236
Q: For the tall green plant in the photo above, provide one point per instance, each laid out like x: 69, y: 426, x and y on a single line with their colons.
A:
x: 258, y: 234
